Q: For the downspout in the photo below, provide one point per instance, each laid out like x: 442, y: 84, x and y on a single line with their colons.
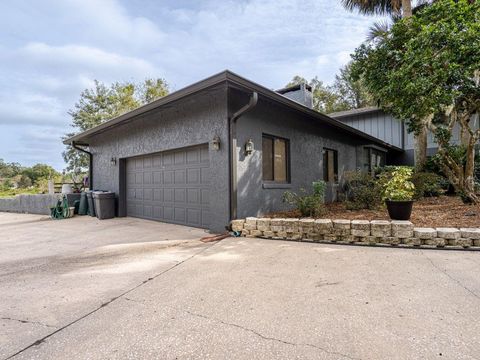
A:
x: 90, y: 164
x: 233, y: 151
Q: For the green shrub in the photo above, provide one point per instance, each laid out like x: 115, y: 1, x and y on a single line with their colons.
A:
x: 397, y: 184
x: 428, y: 184
x: 362, y: 191
x: 308, y: 204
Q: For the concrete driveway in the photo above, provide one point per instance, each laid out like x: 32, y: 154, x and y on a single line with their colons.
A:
x: 129, y: 288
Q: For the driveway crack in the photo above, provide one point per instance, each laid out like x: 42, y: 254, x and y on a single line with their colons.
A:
x: 122, y: 295
x: 458, y: 282
x: 28, y: 322
x: 268, y: 338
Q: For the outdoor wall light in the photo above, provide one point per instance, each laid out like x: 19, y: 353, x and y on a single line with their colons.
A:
x: 216, y: 143
x: 249, y: 147
x: 113, y: 161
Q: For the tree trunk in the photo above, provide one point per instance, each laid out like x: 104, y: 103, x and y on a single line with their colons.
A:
x: 420, y: 149
x: 406, y: 8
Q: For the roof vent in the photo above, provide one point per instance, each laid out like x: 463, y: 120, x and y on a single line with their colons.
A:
x: 301, y: 93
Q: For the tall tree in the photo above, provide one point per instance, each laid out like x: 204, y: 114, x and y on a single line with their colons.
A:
x: 39, y: 171
x: 9, y: 170
x: 346, y: 93
x: 398, y: 8
x: 380, y: 7
x: 102, y: 103
x: 427, y: 73
x: 351, y: 92
x: 324, y: 99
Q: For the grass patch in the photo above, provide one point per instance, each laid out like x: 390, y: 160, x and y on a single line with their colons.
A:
x: 13, y: 192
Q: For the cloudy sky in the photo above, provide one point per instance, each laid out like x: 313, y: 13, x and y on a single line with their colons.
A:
x: 51, y: 50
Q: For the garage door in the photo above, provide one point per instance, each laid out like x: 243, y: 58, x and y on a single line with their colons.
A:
x: 172, y: 186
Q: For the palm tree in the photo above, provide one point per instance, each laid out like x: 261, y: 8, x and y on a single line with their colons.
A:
x: 380, y: 7
x: 395, y: 8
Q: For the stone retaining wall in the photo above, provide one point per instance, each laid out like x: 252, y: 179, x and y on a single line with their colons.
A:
x: 30, y: 204
x: 366, y: 232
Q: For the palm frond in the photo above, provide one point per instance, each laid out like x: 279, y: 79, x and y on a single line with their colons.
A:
x: 378, y: 31
x: 369, y: 7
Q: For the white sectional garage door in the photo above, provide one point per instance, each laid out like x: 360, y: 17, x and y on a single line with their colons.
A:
x: 171, y: 186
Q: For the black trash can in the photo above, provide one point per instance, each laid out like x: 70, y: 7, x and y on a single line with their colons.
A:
x: 104, y: 203
x: 91, y: 203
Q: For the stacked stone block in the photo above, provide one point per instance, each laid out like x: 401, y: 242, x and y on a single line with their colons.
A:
x: 357, y: 231
x: 360, y: 230
x: 276, y: 226
x: 380, y: 232
x: 306, y: 229
x: 263, y: 226
x: 341, y: 231
x: 323, y: 229
x: 291, y: 229
x: 469, y: 237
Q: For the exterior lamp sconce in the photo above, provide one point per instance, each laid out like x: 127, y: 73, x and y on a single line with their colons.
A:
x: 216, y: 143
x: 113, y: 161
x: 249, y: 147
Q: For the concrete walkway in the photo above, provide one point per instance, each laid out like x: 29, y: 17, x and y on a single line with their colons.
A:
x: 128, y: 288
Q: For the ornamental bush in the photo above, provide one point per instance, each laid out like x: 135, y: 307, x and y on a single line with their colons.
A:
x: 309, y: 205
x: 362, y: 191
x: 397, y: 185
x: 428, y: 184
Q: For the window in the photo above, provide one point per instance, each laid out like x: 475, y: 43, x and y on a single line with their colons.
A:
x: 330, y: 165
x: 374, y: 158
x: 275, y: 155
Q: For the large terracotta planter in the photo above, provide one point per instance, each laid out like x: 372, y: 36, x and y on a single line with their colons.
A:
x: 399, y: 210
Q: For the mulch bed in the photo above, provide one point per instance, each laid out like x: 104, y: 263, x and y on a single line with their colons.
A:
x: 443, y: 211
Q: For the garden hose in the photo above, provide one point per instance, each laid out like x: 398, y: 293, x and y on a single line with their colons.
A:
x: 61, y: 210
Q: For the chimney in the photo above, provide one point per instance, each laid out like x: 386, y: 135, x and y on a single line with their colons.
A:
x: 301, y: 93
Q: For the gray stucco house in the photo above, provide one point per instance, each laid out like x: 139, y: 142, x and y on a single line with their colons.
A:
x: 220, y: 149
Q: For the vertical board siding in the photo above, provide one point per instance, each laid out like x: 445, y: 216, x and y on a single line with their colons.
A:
x: 377, y: 124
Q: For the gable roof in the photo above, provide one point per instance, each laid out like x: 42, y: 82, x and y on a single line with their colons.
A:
x: 230, y: 79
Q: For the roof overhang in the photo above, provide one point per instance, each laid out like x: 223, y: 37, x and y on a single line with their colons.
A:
x: 230, y: 79
x: 355, y: 112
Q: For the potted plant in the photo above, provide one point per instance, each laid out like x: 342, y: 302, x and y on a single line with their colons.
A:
x: 398, y: 192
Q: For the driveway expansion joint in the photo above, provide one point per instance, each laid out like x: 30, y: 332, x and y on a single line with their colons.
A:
x: 271, y: 338
x: 458, y: 282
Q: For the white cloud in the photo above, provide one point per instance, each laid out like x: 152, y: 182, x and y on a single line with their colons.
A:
x: 85, y: 59
x: 30, y: 108
x: 59, y: 47
x: 343, y: 57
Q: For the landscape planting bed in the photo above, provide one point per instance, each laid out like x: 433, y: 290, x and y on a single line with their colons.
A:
x: 443, y: 211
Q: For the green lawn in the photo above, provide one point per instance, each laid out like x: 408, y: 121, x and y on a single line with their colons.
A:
x: 13, y: 192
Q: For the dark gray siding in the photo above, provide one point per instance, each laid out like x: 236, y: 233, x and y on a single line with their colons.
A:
x: 409, y: 143
x: 387, y: 128
x: 307, y: 139
x: 192, y: 121
x: 382, y: 126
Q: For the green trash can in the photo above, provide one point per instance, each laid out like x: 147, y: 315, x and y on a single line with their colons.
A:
x: 104, y: 203
x: 91, y: 203
x: 83, y: 207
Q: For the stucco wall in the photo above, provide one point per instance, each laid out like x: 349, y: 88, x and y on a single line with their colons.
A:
x: 307, y: 141
x: 30, y: 204
x: 191, y: 121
